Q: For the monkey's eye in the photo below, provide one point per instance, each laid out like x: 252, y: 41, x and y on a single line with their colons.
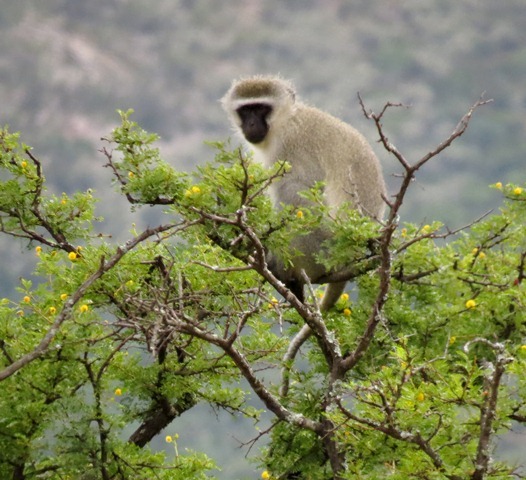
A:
x: 259, y: 110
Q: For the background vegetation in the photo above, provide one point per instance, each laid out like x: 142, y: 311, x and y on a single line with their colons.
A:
x: 66, y: 66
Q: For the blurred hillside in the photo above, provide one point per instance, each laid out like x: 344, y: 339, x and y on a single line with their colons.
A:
x: 67, y: 65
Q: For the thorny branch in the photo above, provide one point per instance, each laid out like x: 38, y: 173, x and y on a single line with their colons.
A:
x: 258, y: 262
x: 390, y: 429
x: 105, y: 266
x: 488, y: 414
x: 391, y: 223
x: 187, y: 325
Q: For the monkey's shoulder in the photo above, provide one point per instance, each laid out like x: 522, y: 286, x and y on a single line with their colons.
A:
x: 312, y: 132
x: 311, y: 119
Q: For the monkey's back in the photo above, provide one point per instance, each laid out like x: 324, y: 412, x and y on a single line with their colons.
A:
x: 320, y: 147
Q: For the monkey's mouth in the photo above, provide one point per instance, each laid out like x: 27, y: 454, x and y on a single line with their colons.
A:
x: 254, y: 136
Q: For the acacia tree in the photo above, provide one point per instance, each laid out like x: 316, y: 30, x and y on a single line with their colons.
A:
x: 412, y: 375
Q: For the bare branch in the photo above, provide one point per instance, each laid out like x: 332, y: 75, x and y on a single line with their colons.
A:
x: 384, y: 270
x: 457, y: 132
x: 377, y: 119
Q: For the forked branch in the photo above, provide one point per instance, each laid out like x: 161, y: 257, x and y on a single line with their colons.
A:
x: 386, y: 250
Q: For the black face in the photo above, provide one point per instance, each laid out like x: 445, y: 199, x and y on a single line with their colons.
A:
x: 254, y: 121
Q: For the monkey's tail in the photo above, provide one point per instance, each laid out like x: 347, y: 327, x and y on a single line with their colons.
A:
x: 288, y: 359
x: 330, y: 297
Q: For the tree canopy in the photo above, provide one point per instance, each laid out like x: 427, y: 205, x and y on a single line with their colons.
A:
x: 415, y: 373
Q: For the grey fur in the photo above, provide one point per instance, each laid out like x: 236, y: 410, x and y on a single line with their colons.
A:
x: 319, y: 147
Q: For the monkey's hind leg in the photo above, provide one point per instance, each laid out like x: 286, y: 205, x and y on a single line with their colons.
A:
x: 330, y: 297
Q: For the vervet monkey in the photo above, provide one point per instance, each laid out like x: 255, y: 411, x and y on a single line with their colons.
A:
x: 318, y: 147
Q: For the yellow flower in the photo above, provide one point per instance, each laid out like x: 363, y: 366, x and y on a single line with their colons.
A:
x: 83, y: 308
x: 404, y: 232
x: 499, y: 185
x: 168, y: 439
x: 23, y: 164
x: 118, y: 392
x: 131, y: 174
x: 452, y: 340
x: 482, y: 255
x: 426, y: 229
x: 299, y: 214
x: 523, y: 348
x: 471, y: 304
x: 517, y: 190
x: 192, y: 191
x: 420, y: 397
x: 344, y: 297
x: 27, y: 299
x: 52, y: 310
x: 347, y: 312
x: 273, y: 302
x: 38, y: 249
x: 64, y: 296
x: 72, y: 256
x: 265, y: 475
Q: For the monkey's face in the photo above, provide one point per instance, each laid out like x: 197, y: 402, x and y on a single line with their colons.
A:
x: 254, y: 121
